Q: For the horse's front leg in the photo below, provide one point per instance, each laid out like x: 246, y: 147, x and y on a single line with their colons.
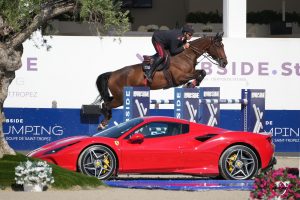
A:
x: 200, y: 74
x: 197, y: 78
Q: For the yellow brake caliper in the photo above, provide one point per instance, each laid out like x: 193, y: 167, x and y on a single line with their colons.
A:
x: 230, y: 163
x: 106, y: 164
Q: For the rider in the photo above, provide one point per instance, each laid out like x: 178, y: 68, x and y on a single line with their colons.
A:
x: 173, y: 40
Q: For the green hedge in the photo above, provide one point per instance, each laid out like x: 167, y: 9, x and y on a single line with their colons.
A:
x: 202, y: 17
x: 63, y: 178
x: 269, y: 16
x: 260, y: 17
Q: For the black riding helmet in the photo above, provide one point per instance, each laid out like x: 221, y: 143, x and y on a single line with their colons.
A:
x: 187, y: 29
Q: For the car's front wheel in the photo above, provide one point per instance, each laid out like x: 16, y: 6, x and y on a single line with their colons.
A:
x: 238, y: 163
x: 98, y: 161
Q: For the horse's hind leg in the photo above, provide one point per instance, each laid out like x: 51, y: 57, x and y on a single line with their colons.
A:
x: 102, y: 86
x: 107, y: 111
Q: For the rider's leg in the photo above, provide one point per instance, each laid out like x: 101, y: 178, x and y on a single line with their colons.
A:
x: 161, y: 55
x: 150, y: 72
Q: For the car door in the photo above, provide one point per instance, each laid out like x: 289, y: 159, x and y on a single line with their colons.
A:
x: 158, y: 152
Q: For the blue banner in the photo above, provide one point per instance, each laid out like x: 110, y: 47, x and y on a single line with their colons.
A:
x: 283, y: 124
x: 30, y: 128
x: 210, y: 112
x: 187, y: 103
x: 136, y: 102
x: 254, y: 108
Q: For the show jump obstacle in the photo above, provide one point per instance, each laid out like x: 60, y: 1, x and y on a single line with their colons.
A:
x: 199, y: 105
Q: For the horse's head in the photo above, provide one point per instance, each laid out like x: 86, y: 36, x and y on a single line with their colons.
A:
x: 216, y: 50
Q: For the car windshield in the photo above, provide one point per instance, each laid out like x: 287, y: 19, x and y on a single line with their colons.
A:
x: 120, y: 129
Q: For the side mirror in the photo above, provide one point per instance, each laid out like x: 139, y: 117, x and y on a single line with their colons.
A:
x: 136, y: 138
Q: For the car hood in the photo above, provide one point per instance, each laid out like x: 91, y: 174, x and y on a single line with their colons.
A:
x: 66, y: 141
x: 58, y: 143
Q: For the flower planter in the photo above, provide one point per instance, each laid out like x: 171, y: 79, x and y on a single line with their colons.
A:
x: 33, y: 175
x: 33, y: 188
x: 282, y: 183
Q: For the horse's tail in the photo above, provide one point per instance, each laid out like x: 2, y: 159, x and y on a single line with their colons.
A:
x: 102, y: 86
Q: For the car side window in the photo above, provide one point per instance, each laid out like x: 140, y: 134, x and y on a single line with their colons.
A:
x: 161, y: 129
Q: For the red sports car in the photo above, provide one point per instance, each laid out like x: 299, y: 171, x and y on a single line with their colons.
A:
x: 163, y: 145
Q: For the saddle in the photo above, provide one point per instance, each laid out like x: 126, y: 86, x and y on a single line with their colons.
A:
x: 148, y: 60
x: 164, y: 66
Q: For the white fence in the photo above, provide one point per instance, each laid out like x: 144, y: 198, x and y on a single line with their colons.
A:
x: 67, y: 73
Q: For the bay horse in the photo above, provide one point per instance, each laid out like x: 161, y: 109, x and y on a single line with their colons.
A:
x: 180, y: 71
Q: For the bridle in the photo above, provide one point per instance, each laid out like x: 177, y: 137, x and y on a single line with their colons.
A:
x: 204, y: 53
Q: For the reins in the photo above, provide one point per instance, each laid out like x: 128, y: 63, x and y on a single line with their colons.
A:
x: 204, y: 54
x: 210, y: 58
x: 196, y: 50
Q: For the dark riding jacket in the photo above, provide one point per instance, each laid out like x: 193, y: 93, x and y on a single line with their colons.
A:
x: 172, y: 40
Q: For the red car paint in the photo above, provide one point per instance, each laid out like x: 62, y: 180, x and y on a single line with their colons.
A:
x: 181, y: 153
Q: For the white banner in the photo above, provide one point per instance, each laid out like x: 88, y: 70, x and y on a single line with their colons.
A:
x: 67, y: 73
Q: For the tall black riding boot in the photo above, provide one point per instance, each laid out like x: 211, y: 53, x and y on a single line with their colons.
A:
x: 150, y: 72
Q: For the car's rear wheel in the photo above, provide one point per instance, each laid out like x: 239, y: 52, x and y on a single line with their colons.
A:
x: 98, y: 161
x: 238, y: 163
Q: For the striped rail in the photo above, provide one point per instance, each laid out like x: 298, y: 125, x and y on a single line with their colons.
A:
x: 205, y: 101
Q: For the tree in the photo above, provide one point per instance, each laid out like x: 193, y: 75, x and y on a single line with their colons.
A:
x: 20, y: 18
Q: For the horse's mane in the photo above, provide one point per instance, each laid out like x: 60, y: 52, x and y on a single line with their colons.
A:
x: 199, y: 40
x: 217, y: 37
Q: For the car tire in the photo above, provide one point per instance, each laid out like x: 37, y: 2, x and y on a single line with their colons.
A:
x: 98, y: 161
x: 238, y: 163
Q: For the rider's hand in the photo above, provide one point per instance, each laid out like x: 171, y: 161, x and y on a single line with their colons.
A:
x: 186, y: 45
